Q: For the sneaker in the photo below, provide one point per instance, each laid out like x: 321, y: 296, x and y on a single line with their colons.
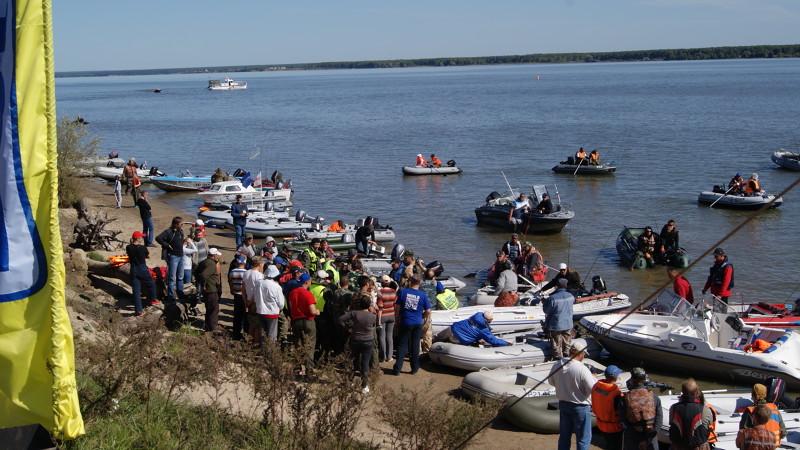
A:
x: 138, y: 314
x: 155, y: 302
x: 151, y: 245
x: 365, y: 390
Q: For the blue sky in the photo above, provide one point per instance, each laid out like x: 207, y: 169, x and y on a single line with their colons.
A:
x: 147, y: 34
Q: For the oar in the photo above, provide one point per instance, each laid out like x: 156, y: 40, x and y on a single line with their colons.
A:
x: 579, y: 166
x: 723, y: 195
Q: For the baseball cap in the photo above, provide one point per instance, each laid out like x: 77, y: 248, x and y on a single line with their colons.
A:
x: 719, y: 251
x: 279, y: 260
x: 514, y: 235
x: 138, y: 234
x: 199, y: 222
x: 214, y: 251
x: 296, y: 269
x: 321, y: 274
x: 248, y: 236
x: 562, y: 266
x: 304, y: 277
x: 288, y: 246
x: 612, y: 371
x: 408, y: 254
x: 563, y: 282
x: 638, y: 373
x: 352, y: 252
x: 499, y: 253
x: 488, y: 315
x: 272, y: 271
x: 241, y: 259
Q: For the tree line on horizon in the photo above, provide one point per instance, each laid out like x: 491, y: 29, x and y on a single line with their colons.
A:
x: 691, y: 54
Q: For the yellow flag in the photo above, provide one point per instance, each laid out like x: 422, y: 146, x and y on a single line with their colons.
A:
x: 37, y: 364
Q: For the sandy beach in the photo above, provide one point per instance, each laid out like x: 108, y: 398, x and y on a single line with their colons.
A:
x: 100, y: 196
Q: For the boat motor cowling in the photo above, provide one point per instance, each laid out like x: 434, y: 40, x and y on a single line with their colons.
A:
x: 598, y: 285
x: 436, y: 266
x: 493, y: 196
x: 397, y: 252
x: 300, y: 216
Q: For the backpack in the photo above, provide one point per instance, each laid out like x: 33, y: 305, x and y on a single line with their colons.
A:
x: 686, y: 425
x: 641, y: 410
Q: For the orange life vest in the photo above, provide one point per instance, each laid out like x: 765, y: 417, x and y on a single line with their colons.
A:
x: 758, y: 346
x: 435, y: 161
x: 604, y: 395
x: 335, y: 227
x: 712, y: 428
x: 752, y: 186
x: 773, y: 424
x: 421, y: 161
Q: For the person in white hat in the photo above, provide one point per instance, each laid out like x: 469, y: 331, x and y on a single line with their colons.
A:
x: 421, y: 160
x: 574, y: 284
x: 269, y: 301
x: 752, y: 187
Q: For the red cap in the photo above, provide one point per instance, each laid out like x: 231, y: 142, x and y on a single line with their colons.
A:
x: 138, y: 234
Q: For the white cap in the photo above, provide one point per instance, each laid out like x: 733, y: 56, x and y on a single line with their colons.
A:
x: 562, y: 266
x: 419, y: 154
x: 272, y: 271
x: 488, y: 315
x: 199, y: 222
x: 755, y: 176
x: 322, y: 274
x: 214, y: 251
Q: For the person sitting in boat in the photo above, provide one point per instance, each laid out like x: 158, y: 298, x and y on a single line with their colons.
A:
x: 506, y: 287
x: 421, y: 161
x: 435, y: 161
x: 752, y: 187
x: 338, y: 226
x: 669, y: 237
x: 532, y: 264
x: 574, y: 284
x: 775, y: 422
x: 546, y: 205
x: 580, y: 156
x: 513, y: 248
x: 594, y: 157
x: 472, y: 331
x: 736, y: 185
x: 497, y: 267
x: 217, y: 176
x: 648, y: 245
x: 521, y: 206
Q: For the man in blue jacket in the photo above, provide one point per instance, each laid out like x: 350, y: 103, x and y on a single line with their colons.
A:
x: 558, y: 319
x: 472, y: 330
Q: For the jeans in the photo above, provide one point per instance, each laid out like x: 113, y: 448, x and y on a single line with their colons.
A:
x: 147, y: 229
x: 141, y: 274
x: 386, y: 340
x: 576, y: 419
x: 187, y: 275
x: 410, y: 336
x: 362, y: 353
x: 362, y: 247
x: 239, y: 228
x: 239, y: 317
x: 305, y: 333
x: 174, y: 268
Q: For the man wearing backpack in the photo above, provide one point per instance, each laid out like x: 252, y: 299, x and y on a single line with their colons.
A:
x: 690, y: 419
x: 639, y: 413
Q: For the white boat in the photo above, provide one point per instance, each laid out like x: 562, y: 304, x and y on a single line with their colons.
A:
x: 183, y: 182
x: 219, y: 217
x: 729, y: 405
x: 525, y: 381
x: 226, y: 85
x: 485, y: 295
x: 431, y: 170
x: 718, y: 198
x: 262, y: 224
x: 108, y: 173
x: 531, y: 350
x: 224, y: 193
x: 787, y: 160
x: 706, y: 339
x: 506, y: 320
x: 382, y: 233
x: 584, y: 306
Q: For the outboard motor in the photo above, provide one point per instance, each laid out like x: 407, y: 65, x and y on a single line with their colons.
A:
x: 397, y: 252
x: 316, y: 226
x: 493, y: 196
x: 359, y: 223
x: 437, y: 267
x: 300, y: 216
x: 451, y: 163
x: 598, y: 285
x: 269, y: 207
x: 238, y: 173
x: 571, y: 160
x: 113, y: 154
x: 371, y: 221
x: 153, y: 171
x: 776, y: 393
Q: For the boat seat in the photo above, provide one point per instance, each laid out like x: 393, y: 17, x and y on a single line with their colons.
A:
x: 735, y: 343
x: 779, y: 342
x: 523, y: 376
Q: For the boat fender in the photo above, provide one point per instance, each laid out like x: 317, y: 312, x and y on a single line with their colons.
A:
x: 493, y: 196
x: 300, y: 216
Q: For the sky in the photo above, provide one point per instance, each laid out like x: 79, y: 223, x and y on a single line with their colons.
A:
x: 149, y: 34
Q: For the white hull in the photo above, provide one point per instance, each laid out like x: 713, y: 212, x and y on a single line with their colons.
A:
x: 109, y: 173
x: 787, y: 160
x: 220, y: 217
x: 425, y: 170
x: 737, y: 201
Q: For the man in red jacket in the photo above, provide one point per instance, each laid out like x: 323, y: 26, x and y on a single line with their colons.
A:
x: 720, y: 278
x: 680, y: 284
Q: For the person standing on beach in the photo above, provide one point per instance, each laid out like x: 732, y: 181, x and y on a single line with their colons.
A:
x: 118, y: 191
x: 128, y: 172
x: 209, y: 275
x: 147, y: 218
x: 558, y: 319
x: 303, y: 311
x: 239, y: 212
x: 411, y: 308
x: 171, y: 241
x: 573, y: 382
x: 361, y: 337
x: 137, y: 257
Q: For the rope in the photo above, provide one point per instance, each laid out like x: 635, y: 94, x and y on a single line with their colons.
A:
x: 660, y: 288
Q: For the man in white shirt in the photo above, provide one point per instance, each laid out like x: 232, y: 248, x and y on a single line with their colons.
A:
x: 573, y: 382
x: 269, y: 301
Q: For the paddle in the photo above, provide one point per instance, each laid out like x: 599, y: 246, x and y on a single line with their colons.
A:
x: 723, y: 195
x: 579, y: 166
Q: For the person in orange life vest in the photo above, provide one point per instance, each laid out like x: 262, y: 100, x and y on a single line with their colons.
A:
x: 421, y: 161
x: 720, y: 279
x: 580, y: 156
x: 435, y: 161
x: 680, y: 284
x: 690, y: 419
x: 713, y: 438
x: 774, y: 424
x: 752, y: 187
x: 639, y: 413
x: 337, y: 226
x: 594, y: 157
x: 758, y: 437
x: 605, y: 404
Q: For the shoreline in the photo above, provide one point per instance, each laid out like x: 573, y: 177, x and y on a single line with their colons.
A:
x: 100, y: 197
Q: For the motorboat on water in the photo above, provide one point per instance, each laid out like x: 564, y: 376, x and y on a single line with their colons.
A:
x: 718, y: 197
x: 631, y: 257
x: 495, y: 213
x: 569, y: 166
x: 787, y: 160
x: 449, y: 169
x: 729, y: 404
x: 226, y: 85
x: 523, y: 381
x: 109, y: 173
x: 706, y: 339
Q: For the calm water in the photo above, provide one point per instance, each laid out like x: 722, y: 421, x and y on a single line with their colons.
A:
x: 673, y: 128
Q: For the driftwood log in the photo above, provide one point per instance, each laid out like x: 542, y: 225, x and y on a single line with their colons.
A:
x: 90, y: 232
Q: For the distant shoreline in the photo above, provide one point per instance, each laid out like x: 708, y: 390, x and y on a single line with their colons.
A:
x: 733, y: 52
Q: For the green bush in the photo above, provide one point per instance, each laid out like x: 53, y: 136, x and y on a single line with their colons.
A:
x: 76, y: 151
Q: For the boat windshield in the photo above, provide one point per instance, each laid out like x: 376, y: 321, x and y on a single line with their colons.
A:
x: 669, y: 303
x: 714, y: 304
x: 538, y: 190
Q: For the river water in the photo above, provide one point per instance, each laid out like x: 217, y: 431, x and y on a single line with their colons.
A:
x: 673, y: 128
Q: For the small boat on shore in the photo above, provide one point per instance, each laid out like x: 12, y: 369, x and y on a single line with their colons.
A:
x: 185, y: 182
x: 219, y: 217
x: 773, y: 315
x: 631, y: 257
x: 495, y: 213
x: 705, y: 339
x: 224, y: 193
x: 718, y: 197
x: 108, y: 173
x: 449, y: 169
x: 787, y: 160
x: 226, y: 85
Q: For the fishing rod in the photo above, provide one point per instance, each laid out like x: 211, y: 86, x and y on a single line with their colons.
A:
x: 507, y: 183
x: 595, y: 260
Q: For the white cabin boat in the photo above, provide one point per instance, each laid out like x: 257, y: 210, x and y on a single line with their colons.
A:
x: 226, y: 85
